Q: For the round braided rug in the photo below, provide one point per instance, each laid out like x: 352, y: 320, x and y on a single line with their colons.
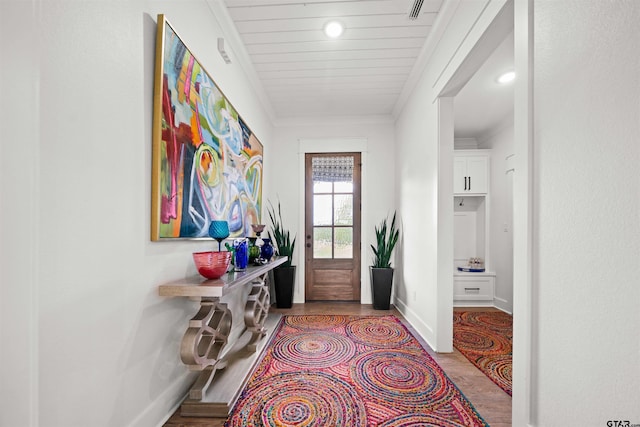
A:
x: 344, y: 371
x: 485, y: 338
x: 420, y: 420
x: 480, y: 341
x: 307, y: 322
x: 301, y: 399
x: 501, y: 366
x: 492, y: 319
x: 401, y: 379
x: 314, y: 349
x: 377, y: 332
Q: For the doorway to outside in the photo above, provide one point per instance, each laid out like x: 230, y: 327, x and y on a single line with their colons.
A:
x: 332, y: 226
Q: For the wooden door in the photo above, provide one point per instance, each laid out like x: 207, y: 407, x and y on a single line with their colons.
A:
x: 332, y: 226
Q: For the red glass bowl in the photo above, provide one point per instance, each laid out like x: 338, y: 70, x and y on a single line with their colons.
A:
x: 212, y: 265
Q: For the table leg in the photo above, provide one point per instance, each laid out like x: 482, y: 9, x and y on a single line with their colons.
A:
x: 204, y: 341
x: 256, y: 310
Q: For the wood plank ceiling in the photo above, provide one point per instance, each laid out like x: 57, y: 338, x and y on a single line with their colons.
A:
x: 306, y: 74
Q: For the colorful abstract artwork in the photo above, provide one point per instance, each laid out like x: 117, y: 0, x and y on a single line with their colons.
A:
x: 207, y: 164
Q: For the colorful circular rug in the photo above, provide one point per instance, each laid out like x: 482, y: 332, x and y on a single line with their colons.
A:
x: 401, y: 379
x: 485, y: 338
x: 314, y: 349
x: 299, y: 399
x: 349, y: 371
x: 377, y: 332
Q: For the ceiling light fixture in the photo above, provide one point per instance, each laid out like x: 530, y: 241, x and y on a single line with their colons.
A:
x: 333, y: 29
x: 507, y: 77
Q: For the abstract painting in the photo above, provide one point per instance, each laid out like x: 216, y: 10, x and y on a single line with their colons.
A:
x: 207, y: 164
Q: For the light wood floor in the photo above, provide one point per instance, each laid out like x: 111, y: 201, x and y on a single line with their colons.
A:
x: 493, y: 404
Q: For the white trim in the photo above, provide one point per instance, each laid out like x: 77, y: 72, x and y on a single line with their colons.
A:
x: 490, y: 28
x: 524, y: 375
x: 424, y: 330
x: 500, y: 304
x: 221, y: 14
x: 179, y: 387
x: 333, y: 145
x: 446, y: 13
x: 465, y: 144
x: 524, y: 378
x: 476, y: 303
x: 444, y: 316
x: 334, y: 120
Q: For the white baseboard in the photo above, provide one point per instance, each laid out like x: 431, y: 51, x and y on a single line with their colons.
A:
x: 166, y: 404
x: 503, y: 305
x: 421, y: 328
x: 473, y: 304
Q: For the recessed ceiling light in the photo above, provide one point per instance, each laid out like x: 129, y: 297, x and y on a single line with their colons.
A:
x: 507, y: 77
x: 333, y: 29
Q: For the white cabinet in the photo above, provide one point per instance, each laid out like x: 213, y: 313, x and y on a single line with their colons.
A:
x: 473, y: 289
x: 471, y: 173
x: 471, y: 228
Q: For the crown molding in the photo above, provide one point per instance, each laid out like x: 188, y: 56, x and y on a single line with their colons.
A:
x: 333, y: 120
x: 443, y: 18
x: 233, y: 39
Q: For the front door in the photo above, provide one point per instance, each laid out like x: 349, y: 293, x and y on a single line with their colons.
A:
x: 332, y: 227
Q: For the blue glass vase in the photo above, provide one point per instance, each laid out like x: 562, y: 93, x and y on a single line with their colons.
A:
x: 241, y: 249
x: 266, y: 252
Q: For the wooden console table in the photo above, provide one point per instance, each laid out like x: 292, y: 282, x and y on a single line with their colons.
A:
x: 225, y: 334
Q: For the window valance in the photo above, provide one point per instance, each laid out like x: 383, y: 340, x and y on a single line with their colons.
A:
x: 332, y: 169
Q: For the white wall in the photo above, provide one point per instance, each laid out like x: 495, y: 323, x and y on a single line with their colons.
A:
x: 587, y: 204
x: 425, y: 169
x: 285, y: 182
x: 86, y: 340
x: 19, y: 228
x: 500, y: 236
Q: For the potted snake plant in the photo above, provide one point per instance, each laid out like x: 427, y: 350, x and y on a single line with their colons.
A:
x: 381, y: 271
x: 284, y: 276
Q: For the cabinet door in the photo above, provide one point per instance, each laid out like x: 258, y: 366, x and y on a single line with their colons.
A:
x: 477, y: 171
x: 459, y: 174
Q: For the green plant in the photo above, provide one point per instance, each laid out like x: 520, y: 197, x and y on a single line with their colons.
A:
x: 281, y: 238
x: 385, y: 243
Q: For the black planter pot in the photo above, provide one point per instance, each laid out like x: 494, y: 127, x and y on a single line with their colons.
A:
x: 284, y: 280
x: 381, y: 282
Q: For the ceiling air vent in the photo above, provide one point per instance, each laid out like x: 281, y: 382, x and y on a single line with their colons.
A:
x: 415, y: 9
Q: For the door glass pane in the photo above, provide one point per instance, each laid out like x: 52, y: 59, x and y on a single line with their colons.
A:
x: 343, y: 243
x: 322, y: 209
x: 343, y: 187
x: 343, y: 209
x: 322, y: 242
x: 321, y: 187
